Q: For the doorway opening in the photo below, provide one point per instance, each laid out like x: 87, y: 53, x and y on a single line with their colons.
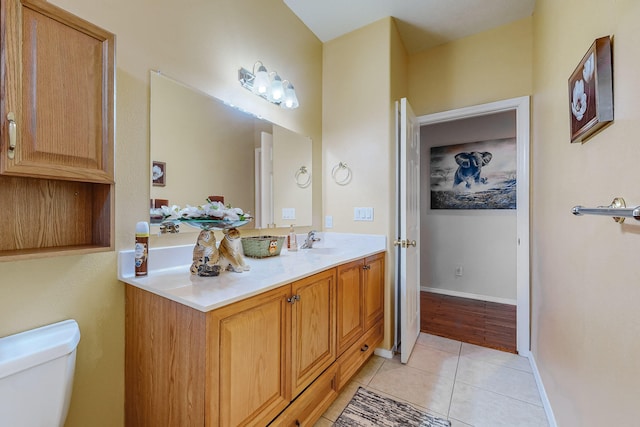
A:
x: 475, y: 262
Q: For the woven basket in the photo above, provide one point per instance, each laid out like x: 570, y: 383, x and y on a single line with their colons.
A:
x: 262, y: 246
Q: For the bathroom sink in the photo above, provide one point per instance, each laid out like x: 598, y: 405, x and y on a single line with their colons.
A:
x: 321, y: 251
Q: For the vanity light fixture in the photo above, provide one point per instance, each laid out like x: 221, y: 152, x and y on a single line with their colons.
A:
x: 269, y: 85
x: 290, y: 98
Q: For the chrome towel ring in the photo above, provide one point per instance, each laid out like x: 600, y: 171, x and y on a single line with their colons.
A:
x: 341, y: 174
x: 303, y: 177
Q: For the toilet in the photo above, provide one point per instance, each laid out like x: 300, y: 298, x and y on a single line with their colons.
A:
x: 36, y: 375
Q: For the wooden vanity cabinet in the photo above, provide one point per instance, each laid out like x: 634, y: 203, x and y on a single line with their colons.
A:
x: 270, y: 359
x: 242, y: 364
x: 350, y: 309
x: 267, y: 349
x: 56, y: 133
x: 312, y: 328
x: 248, y: 346
x: 373, y: 303
x: 360, y: 300
x: 360, y: 313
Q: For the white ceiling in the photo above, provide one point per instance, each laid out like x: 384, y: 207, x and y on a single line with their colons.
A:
x: 422, y: 24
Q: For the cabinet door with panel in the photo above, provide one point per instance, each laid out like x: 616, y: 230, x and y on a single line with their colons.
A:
x: 373, y: 290
x: 57, y: 102
x: 312, y: 328
x: 349, y: 307
x: 248, y: 360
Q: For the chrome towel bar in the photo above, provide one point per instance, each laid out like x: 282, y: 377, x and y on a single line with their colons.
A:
x: 618, y: 210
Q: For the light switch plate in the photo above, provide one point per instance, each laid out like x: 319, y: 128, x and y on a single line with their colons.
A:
x: 288, y: 213
x: 363, y: 214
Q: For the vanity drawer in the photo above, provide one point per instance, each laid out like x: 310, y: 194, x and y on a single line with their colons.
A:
x: 312, y: 403
x: 354, y: 357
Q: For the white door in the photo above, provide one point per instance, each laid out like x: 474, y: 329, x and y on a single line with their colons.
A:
x: 266, y: 181
x: 407, y: 248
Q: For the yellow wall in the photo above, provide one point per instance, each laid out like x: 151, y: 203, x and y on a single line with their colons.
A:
x: 202, y: 43
x: 490, y: 66
x: 584, y: 270
x: 585, y: 275
x: 358, y: 129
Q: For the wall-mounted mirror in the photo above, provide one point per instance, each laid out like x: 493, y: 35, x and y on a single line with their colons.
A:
x: 201, y: 147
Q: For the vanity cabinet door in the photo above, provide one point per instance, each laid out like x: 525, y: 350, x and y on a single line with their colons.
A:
x: 57, y: 103
x: 349, y: 304
x: 373, y: 290
x: 312, y: 328
x: 247, y: 362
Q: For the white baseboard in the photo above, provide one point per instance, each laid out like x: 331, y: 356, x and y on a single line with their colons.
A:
x: 543, y: 394
x: 468, y: 295
x: 387, y: 354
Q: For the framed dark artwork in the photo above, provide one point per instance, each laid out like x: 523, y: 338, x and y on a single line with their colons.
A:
x: 474, y: 175
x: 159, y: 174
x: 591, y: 91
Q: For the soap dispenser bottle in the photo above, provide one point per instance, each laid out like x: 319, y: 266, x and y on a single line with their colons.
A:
x: 292, y: 244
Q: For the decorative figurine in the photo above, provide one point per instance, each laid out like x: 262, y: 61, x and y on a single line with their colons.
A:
x: 205, y: 255
x: 231, y: 257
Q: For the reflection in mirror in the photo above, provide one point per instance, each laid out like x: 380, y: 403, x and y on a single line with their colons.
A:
x: 207, y: 148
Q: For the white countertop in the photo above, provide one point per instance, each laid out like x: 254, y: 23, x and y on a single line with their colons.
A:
x: 169, y: 275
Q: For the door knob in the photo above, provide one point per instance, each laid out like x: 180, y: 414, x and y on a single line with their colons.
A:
x: 402, y: 243
x: 412, y: 243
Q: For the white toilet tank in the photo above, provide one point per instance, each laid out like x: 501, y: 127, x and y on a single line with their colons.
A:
x: 36, y: 375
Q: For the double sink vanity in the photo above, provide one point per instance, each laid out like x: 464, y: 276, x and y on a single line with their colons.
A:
x: 272, y: 345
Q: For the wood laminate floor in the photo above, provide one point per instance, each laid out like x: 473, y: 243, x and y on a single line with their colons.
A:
x: 483, y: 323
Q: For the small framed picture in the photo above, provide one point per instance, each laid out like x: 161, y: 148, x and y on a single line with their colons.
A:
x: 591, y: 91
x: 159, y: 174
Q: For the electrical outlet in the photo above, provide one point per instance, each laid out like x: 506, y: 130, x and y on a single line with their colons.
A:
x: 328, y: 221
x: 458, y: 270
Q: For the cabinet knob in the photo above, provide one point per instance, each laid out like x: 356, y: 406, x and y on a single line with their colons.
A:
x: 364, y: 348
x: 366, y: 267
x: 293, y: 299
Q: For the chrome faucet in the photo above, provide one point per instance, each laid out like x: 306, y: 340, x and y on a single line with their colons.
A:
x: 308, y: 242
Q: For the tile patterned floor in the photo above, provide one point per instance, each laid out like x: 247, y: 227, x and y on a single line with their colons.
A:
x: 467, y: 384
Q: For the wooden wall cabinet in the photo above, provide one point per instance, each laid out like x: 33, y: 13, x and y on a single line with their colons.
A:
x: 57, y: 133
x: 269, y: 359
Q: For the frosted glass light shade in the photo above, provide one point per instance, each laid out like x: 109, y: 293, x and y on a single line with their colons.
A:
x: 290, y: 99
x: 261, y: 82
x: 277, y: 90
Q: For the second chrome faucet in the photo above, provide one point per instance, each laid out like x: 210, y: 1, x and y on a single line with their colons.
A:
x: 311, y: 238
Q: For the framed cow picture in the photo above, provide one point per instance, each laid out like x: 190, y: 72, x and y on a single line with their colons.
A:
x: 475, y: 175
